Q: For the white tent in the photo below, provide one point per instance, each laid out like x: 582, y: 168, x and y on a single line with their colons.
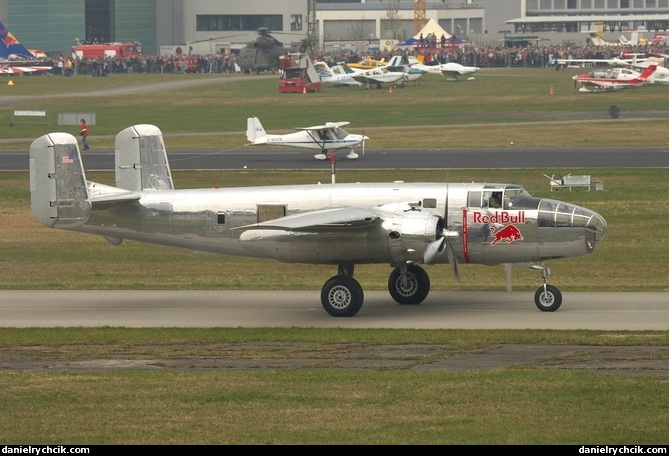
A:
x: 432, y: 27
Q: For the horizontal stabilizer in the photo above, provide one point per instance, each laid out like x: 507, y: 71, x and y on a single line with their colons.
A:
x: 102, y: 194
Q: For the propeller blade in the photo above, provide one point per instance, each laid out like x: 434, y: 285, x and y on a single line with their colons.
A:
x: 453, y: 260
x: 363, y: 148
x: 433, y: 250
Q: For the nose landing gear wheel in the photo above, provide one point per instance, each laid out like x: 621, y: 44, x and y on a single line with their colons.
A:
x: 342, y: 296
x: 548, y: 300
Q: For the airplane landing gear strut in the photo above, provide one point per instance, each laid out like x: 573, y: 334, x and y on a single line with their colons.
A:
x: 342, y: 295
x: 547, y: 298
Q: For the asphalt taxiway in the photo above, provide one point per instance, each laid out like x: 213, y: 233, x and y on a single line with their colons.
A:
x: 248, y: 308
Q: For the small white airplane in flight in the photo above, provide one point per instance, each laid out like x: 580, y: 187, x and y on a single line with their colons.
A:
x: 401, y: 224
x: 328, y: 137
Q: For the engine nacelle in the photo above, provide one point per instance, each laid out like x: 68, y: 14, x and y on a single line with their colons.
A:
x: 410, y: 234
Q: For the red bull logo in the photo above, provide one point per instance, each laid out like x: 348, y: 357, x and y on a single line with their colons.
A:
x: 509, y: 234
x: 500, y: 217
x: 9, y: 40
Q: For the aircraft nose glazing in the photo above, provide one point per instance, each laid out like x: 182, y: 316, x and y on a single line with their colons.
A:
x: 597, y: 227
x: 559, y: 214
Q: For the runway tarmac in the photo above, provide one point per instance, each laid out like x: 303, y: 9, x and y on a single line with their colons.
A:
x: 229, y: 308
x: 263, y: 158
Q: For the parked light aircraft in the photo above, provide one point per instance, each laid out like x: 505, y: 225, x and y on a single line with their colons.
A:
x: 636, y: 64
x: 378, y: 77
x: 401, y: 64
x: 368, y: 64
x: 401, y: 224
x: 13, y: 69
x: 16, y: 58
x: 336, y: 75
x: 328, y: 137
x: 451, y: 70
x: 614, y: 79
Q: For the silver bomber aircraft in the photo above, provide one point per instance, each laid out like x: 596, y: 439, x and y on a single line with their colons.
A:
x: 402, y: 224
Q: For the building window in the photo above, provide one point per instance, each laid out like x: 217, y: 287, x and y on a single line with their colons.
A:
x: 296, y: 22
x: 237, y: 22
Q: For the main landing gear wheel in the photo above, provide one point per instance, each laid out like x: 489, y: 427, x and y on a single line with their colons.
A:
x: 410, y: 285
x: 342, y: 296
x: 548, y: 299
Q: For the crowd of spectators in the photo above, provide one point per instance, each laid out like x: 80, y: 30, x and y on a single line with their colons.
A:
x: 480, y: 56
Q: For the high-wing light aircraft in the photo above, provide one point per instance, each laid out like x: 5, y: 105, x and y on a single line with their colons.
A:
x: 614, y: 79
x: 400, y: 224
x: 328, y: 137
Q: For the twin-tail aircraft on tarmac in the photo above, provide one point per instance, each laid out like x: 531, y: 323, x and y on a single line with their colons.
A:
x: 404, y: 225
x: 326, y: 138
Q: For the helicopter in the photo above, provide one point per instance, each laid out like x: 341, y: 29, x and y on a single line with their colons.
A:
x: 263, y: 53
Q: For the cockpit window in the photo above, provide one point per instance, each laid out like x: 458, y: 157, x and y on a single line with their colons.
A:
x: 558, y: 214
x: 513, y: 195
x: 340, y: 133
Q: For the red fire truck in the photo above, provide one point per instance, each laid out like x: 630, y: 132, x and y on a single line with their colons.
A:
x: 298, y: 74
x: 92, y: 51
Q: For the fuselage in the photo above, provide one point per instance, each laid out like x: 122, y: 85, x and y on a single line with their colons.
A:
x: 403, y: 218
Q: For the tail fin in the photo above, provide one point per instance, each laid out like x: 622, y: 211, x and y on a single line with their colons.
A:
x: 11, y: 46
x: 255, y: 131
x: 141, y: 159
x: 648, y: 72
x: 58, y: 189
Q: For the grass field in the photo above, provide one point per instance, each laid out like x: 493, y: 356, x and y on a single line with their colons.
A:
x: 531, y: 404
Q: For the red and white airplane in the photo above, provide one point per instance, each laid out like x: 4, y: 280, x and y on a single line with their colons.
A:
x: 614, y: 79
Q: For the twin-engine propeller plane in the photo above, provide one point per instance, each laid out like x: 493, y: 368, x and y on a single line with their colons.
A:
x: 328, y: 137
x: 400, y: 224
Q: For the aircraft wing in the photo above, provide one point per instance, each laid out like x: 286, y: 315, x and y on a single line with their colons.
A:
x: 348, y: 217
x: 602, y: 86
x: 328, y: 125
x: 8, y: 69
